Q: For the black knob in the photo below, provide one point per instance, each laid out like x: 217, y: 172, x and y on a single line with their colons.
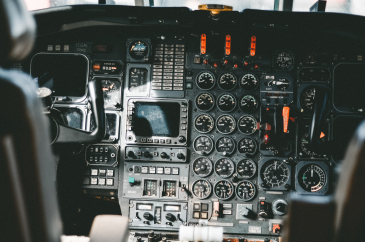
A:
x: 234, y: 178
x: 146, y: 154
x: 164, y: 155
x: 170, y: 217
x: 139, y: 239
x: 247, y: 213
x: 182, y: 139
x: 130, y: 153
x: 241, y: 239
x: 163, y: 239
x: 180, y: 156
x: 147, y: 216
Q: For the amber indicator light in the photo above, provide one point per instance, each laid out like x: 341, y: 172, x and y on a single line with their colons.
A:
x: 228, y: 44
x: 253, y: 46
x: 203, y: 44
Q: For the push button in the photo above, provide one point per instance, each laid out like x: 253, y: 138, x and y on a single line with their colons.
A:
x: 109, y: 182
x: 94, y: 181
x: 110, y: 173
x: 102, y: 181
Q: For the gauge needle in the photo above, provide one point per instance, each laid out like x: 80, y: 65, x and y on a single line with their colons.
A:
x: 312, y: 173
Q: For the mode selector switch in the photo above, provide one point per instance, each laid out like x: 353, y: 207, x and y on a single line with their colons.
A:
x: 155, y: 154
x: 164, y: 155
x: 147, y: 154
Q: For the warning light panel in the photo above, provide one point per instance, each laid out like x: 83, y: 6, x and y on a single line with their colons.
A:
x: 228, y: 44
x: 203, y: 44
x: 253, y: 46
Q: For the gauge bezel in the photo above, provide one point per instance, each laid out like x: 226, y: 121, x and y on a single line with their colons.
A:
x: 149, y: 51
x: 274, y: 59
x: 288, y: 183
x: 221, y: 153
x: 238, y: 124
x: 257, y: 78
x: 238, y: 174
x: 213, y: 123
x: 233, y: 170
x: 233, y: 190
x: 218, y: 81
x: 196, y: 99
x: 235, y: 102
x: 254, y: 141
x: 200, y: 152
x: 326, y: 170
x: 255, y: 191
x: 235, y: 124
x: 211, y: 163
x: 197, y: 76
x: 274, y: 209
x: 254, y: 97
x: 210, y: 185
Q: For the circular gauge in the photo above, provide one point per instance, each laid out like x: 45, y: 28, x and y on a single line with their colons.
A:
x: 204, y: 123
x: 247, y: 124
x: 246, y: 190
x: 227, y: 81
x: 312, y: 178
x: 204, y: 101
x: 226, y: 102
x: 246, y: 168
x: 111, y: 91
x: 226, y: 124
x: 247, y: 146
x: 249, y: 82
x: 205, y: 80
x: 224, y: 167
x: 282, y: 84
x: 248, y: 104
x: 224, y: 189
x: 283, y: 60
x: 307, y: 99
x: 225, y: 146
x: 305, y: 147
x: 202, y: 189
x: 202, y: 166
x: 279, y: 206
x: 274, y: 173
x: 138, y: 49
x: 203, y: 145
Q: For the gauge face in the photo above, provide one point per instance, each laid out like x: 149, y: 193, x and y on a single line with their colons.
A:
x: 283, y: 60
x: 279, y: 206
x: 204, y: 123
x: 248, y: 104
x: 282, y: 84
x: 138, y: 49
x: 312, y: 178
x: 307, y: 99
x: 202, y: 167
x: 246, y: 190
x: 223, y: 189
x: 204, y: 101
x: 225, y: 146
x: 305, y: 149
x: 202, y: 189
x: 247, y: 124
x: 227, y: 81
x: 111, y: 92
x: 226, y: 102
x: 203, y: 145
x: 205, y: 80
x: 224, y: 167
x: 246, y: 168
x: 249, y: 82
x: 226, y: 124
x: 247, y: 146
x: 274, y: 173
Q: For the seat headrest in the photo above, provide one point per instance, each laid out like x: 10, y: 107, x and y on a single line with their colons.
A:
x: 17, y: 30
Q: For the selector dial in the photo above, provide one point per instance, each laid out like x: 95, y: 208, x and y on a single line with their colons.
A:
x: 202, y: 167
x: 224, y: 167
x: 202, y: 189
x: 279, y: 206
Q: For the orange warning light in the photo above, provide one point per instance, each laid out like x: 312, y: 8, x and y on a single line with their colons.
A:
x: 228, y: 44
x: 203, y: 44
x: 253, y: 46
x: 322, y: 135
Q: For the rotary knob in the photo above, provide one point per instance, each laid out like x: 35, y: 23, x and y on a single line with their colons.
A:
x: 170, y: 217
x: 146, y: 154
x: 147, y: 216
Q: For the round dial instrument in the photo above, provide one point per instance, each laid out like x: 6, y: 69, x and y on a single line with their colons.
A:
x: 227, y: 81
x: 204, y: 101
x: 226, y: 102
x: 138, y: 49
x: 249, y: 82
x: 274, y: 173
x: 279, y: 206
x: 312, y: 178
x: 247, y: 146
x: 248, y: 104
x: 283, y: 60
x: 246, y: 168
x: 224, y: 189
x: 224, y: 167
x: 202, y: 167
x: 202, y: 189
x: 111, y: 91
x: 226, y: 124
x: 246, y: 190
x: 225, y: 146
x: 282, y: 84
x: 205, y: 80
x: 203, y: 145
x: 247, y: 124
x: 307, y: 99
x: 305, y: 149
x: 204, y: 123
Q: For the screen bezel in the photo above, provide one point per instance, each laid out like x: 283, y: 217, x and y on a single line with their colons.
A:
x: 73, y: 98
